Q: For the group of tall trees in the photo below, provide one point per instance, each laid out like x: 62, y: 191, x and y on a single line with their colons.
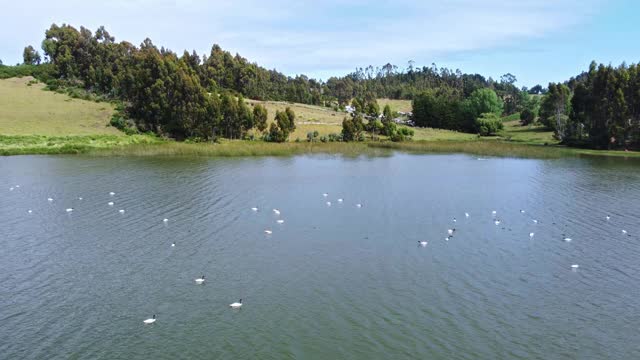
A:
x: 599, y: 108
x: 445, y: 108
x: 179, y: 96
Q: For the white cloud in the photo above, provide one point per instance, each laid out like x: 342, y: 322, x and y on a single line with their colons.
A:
x: 307, y: 36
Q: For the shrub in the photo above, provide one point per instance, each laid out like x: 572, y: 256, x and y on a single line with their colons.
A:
x: 488, y: 124
x: 526, y: 117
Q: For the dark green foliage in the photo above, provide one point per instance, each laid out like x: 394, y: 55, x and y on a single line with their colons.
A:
x: 260, y: 116
x: 390, y: 82
x: 526, y: 117
x: 44, y: 72
x: 605, y: 108
x: 489, y: 124
x: 352, y: 128
x: 555, y: 108
x: 284, y: 124
x: 30, y: 56
x: 443, y: 109
x: 312, y: 136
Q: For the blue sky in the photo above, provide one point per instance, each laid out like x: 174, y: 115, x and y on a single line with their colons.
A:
x: 538, y: 41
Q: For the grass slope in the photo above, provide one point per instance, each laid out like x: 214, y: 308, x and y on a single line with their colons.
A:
x: 26, y: 109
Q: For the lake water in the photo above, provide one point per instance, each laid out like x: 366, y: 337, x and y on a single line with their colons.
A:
x: 331, y: 281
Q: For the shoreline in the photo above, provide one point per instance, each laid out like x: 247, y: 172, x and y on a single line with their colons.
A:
x: 146, y: 145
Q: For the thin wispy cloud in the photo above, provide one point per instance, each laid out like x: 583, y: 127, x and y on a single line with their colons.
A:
x: 311, y: 37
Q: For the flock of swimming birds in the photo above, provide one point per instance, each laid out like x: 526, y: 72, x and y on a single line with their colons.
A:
x: 423, y: 243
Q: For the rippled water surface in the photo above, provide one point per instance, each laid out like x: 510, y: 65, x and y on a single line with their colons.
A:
x: 331, y: 281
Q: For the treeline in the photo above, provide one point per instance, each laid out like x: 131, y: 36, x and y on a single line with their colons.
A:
x: 178, y: 96
x: 599, y: 108
x: 389, y: 82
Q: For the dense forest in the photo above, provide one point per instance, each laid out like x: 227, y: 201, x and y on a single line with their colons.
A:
x: 202, y: 96
x: 599, y: 108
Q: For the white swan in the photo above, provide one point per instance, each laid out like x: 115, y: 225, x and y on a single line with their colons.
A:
x: 624, y: 231
x: 325, y: 194
x: 110, y: 203
x: 49, y: 199
x: 276, y: 211
x: 254, y: 208
x: 173, y: 244
x: 454, y: 220
x: 575, y: 266
x: 29, y: 211
x: 150, y: 321
x: 80, y: 198
x: 165, y: 220
x: 359, y: 205
x: 450, y: 231
x: 531, y: 235
x: 567, y: 239
x: 422, y: 243
x: 328, y: 203
x: 268, y: 232
x: 69, y: 209
x: 17, y: 186
x: 535, y: 221
x: 11, y: 189
x: 466, y: 214
x: 339, y: 200
x: 521, y: 211
x: 497, y: 222
x: 121, y: 211
x: 608, y: 217
x: 112, y: 193
x: 280, y: 221
x: 200, y: 280
x: 236, y: 305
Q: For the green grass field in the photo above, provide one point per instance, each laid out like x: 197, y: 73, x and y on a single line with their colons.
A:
x: 27, y: 109
x: 395, y: 105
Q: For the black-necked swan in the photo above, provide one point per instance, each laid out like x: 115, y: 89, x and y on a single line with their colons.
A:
x: 200, y: 280
x: 236, y: 305
x: 150, y: 321
x: 268, y: 232
x: 422, y: 243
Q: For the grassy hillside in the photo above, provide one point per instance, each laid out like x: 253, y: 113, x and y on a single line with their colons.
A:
x: 26, y: 109
x: 395, y: 105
